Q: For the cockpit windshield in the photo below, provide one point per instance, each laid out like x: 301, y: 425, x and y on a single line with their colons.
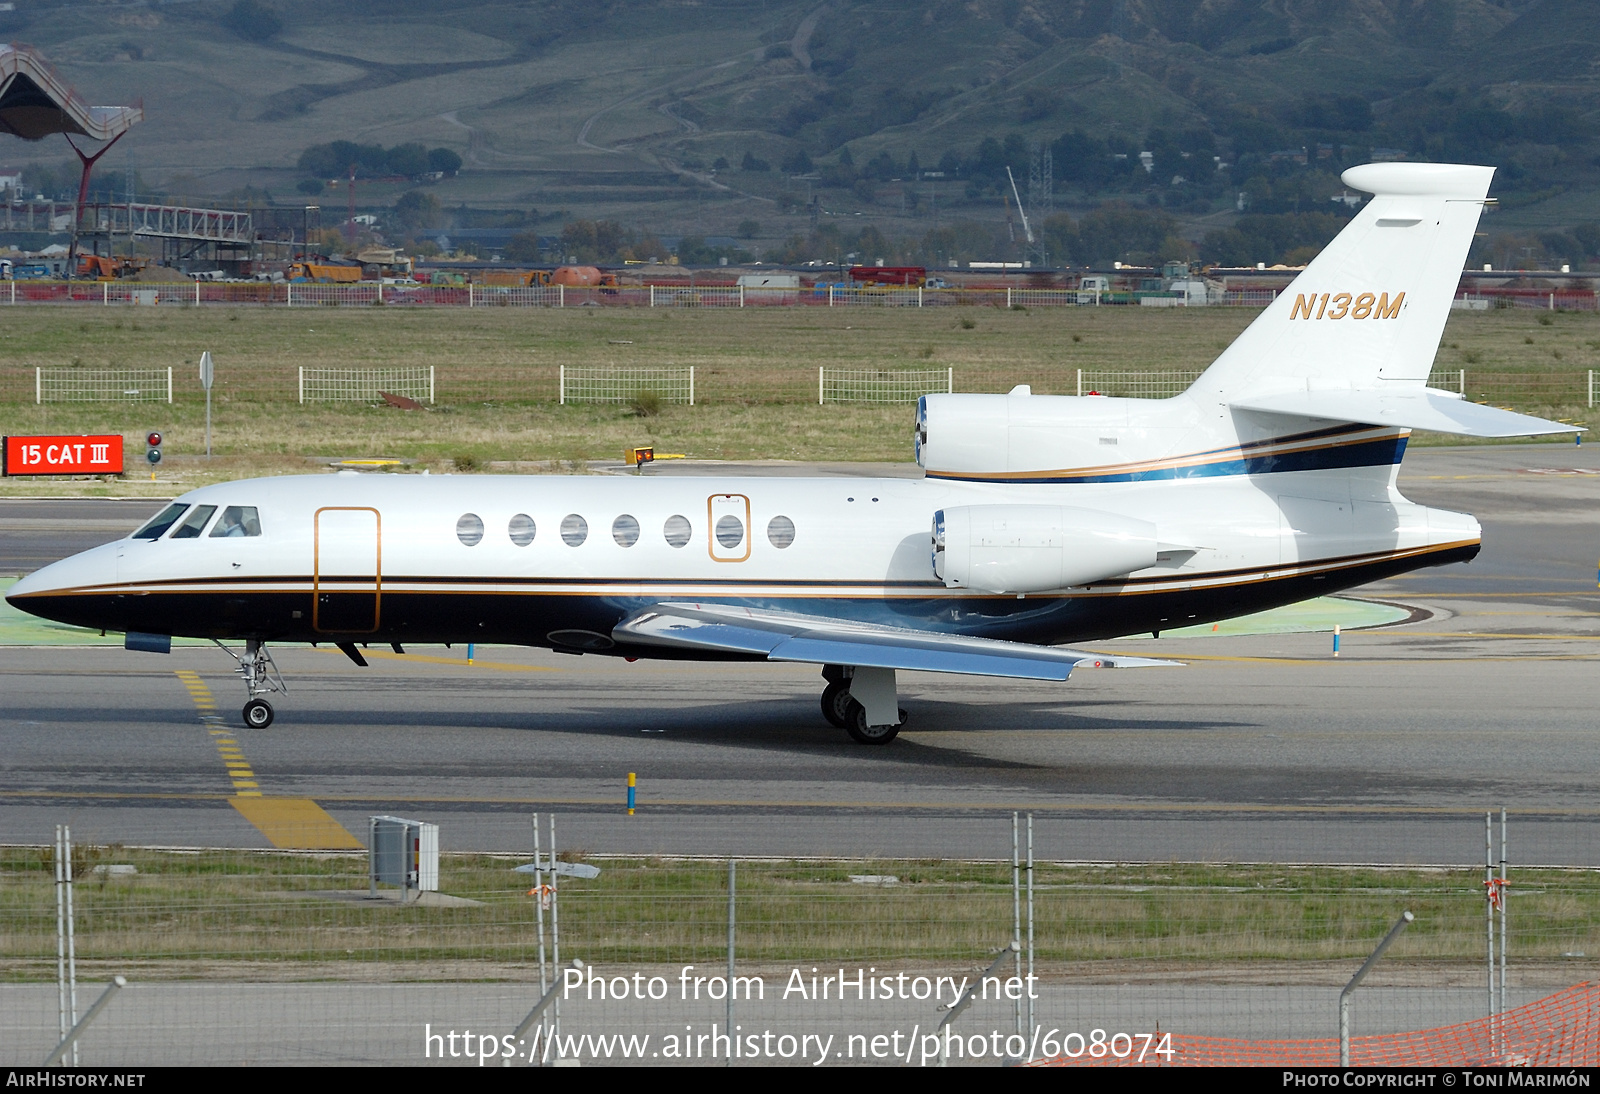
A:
x: 237, y: 520
x: 194, y: 523
x: 160, y: 522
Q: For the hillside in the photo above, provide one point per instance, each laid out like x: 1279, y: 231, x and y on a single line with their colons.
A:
x: 694, y: 116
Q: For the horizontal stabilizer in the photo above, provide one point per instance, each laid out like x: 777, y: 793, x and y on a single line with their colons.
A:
x: 1411, y: 408
x: 780, y: 636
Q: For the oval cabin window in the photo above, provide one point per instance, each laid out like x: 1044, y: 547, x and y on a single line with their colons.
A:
x: 730, y: 531
x: 677, y: 530
x: 574, y: 530
x: 625, y: 530
x: 522, y: 529
x: 780, y: 532
x: 469, y: 529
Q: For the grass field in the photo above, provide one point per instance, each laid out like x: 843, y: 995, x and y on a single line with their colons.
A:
x: 755, y: 377
x: 211, y: 913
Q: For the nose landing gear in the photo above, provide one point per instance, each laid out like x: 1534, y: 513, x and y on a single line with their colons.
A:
x: 261, y: 677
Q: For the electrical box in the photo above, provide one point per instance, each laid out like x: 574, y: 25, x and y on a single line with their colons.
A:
x: 402, y: 853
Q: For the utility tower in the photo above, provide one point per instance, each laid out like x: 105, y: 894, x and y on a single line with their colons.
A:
x: 1041, y: 196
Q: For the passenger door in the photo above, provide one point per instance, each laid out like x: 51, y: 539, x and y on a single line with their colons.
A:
x: 347, y: 581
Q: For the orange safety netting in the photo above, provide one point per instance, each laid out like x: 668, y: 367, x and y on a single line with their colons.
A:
x: 1561, y: 1030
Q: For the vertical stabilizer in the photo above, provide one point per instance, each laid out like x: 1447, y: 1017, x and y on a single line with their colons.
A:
x: 1368, y: 311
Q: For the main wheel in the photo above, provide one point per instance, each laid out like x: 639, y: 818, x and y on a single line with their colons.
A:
x: 856, y: 725
x: 836, y: 704
x: 258, y: 714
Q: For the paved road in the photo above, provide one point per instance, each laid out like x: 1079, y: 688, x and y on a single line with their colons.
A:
x: 1263, y: 748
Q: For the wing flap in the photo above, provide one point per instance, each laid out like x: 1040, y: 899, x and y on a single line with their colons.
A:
x: 1412, y: 408
x: 821, y: 640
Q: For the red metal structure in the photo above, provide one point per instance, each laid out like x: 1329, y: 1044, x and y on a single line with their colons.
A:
x: 898, y: 276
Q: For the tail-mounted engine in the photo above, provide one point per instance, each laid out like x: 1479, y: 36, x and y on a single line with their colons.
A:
x: 1036, y: 548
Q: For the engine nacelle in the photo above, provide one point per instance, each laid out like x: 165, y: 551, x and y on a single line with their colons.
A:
x: 1036, y: 548
x: 1021, y: 432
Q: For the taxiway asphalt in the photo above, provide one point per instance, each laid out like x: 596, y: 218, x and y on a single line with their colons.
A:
x: 1263, y: 748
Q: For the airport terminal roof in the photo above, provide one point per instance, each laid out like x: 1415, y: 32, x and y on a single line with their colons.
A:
x: 35, y: 102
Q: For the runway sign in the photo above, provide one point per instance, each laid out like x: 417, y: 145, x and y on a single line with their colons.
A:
x: 72, y: 455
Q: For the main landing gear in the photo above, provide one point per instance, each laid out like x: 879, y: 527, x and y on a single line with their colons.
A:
x: 844, y: 710
x: 261, y: 677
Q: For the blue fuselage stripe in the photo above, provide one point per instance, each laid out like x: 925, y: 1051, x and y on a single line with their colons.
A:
x: 1375, y: 453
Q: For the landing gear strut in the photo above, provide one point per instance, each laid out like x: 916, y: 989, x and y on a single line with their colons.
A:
x: 261, y: 677
x: 842, y: 709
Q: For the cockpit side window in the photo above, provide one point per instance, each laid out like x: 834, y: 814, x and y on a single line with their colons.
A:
x: 237, y: 520
x: 160, y: 522
x: 194, y: 523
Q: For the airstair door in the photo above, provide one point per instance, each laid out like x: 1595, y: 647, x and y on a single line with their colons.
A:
x: 347, y: 582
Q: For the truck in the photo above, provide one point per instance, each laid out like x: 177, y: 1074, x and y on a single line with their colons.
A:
x: 323, y: 274
x: 101, y: 268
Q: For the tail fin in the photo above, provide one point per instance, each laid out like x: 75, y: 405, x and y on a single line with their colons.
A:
x: 1368, y: 311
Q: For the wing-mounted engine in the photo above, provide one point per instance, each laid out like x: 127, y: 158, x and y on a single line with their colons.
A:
x: 1036, y: 548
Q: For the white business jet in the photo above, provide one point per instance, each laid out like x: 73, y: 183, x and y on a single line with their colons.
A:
x: 1039, y: 520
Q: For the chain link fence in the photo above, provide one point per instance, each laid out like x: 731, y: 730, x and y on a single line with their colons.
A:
x: 289, y: 955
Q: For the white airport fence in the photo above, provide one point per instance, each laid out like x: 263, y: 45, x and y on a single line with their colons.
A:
x: 1449, y: 379
x: 102, y: 385
x: 711, y: 296
x: 365, y: 385
x: 882, y: 385
x: 677, y: 295
x: 333, y: 296
x: 1136, y: 385
x: 599, y: 384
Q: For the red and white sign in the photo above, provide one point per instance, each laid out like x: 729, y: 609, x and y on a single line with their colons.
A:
x: 95, y: 455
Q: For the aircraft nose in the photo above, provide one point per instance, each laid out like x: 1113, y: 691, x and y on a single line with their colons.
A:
x: 96, y: 566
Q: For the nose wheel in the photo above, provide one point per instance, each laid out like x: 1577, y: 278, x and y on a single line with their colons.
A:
x: 261, y: 677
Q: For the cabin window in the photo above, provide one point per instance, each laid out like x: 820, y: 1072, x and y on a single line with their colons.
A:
x: 677, y: 530
x: 194, y: 523
x: 236, y: 521
x: 730, y: 531
x: 574, y: 530
x: 469, y: 529
x: 625, y: 530
x: 160, y: 522
x: 780, y: 532
x: 522, y: 529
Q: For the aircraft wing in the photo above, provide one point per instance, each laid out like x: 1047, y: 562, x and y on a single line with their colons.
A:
x: 1411, y: 408
x: 780, y: 636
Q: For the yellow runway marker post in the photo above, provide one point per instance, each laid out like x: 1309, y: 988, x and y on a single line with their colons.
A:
x: 286, y: 822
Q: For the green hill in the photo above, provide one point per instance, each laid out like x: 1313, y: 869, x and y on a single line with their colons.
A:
x: 648, y: 112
